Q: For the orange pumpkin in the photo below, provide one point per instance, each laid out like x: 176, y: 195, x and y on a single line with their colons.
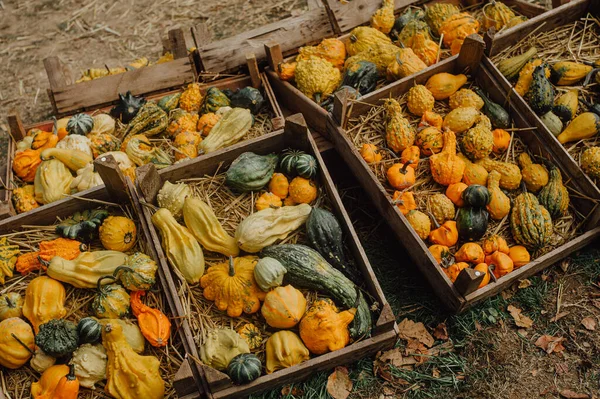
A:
x: 494, y: 243
x: 279, y: 185
x: 431, y: 119
x: 483, y: 268
x: 501, y: 140
x: 25, y: 164
x: 500, y: 263
x: 405, y: 201
x: 45, y: 387
x: 411, y: 154
x: 303, y: 191
x: 283, y: 307
x: 400, y: 176
x: 446, y: 234
x: 186, y: 144
x: 370, y: 153
x: 454, y: 270
x: 519, y: 255
x: 470, y: 252
x: 207, y: 122
x: 454, y: 192
x: 440, y: 253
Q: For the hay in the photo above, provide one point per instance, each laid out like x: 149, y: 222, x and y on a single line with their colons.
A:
x: 578, y: 41
x: 77, y: 302
x: 369, y: 128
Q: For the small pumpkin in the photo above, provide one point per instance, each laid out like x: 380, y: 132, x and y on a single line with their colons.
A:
x: 500, y: 263
x: 430, y: 140
x: 431, y: 119
x: 268, y: 200
x: 405, y: 201
x: 44, y: 301
x: 440, y: 253
x: 494, y: 243
x: 111, y: 300
x: 279, y: 185
x: 411, y: 155
x: 80, y: 124
x: 284, y: 307
x: 57, y: 338
x: 118, y: 233
x: 16, y: 342
x: 154, y: 325
x: 251, y: 334
x: 269, y: 273
x: 483, y: 268
x: 370, y: 153
x: 454, y: 270
x: 284, y: 349
x: 446, y: 234
x: 472, y: 223
x: 470, y: 252
x: 454, y: 192
x: 476, y: 196
x: 68, y: 386
x: 519, y: 255
x: 420, y: 223
x: 46, y: 385
x: 303, y: 191
x: 11, y: 305
x: 244, y: 368
x: 501, y: 141
x: 401, y: 176
x: 89, y: 330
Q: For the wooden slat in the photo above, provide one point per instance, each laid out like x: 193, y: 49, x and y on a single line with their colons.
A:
x: 253, y: 70
x: 177, y: 44
x: 54, y: 70
x: 350, y: 14
x: 291, y: 33
x: 114, y: 180
x: 525, y: 8
x: 15, y: 124
x: 470, y: 54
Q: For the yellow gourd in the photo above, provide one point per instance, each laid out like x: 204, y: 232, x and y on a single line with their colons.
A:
x: 73, y: 159
x: 473, y: 174
x: 44, y: 301
x: 383, y: 19
x: 461, y: 119
x: 52, y: 181
x: 443, y: 85
x: 16, y: 342
x: 284, y: 349
x: 399, y: 133
x: 499, y: 204
x: 118, y: 233
x: 534, y: 175
x: 268, y: 200
x: 86, y: 269
x: 419, y: 100
x: 584, y: 126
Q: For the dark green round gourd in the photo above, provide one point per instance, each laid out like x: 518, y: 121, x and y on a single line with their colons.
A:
x: 57, y: 338
x: 248, y: 97
x: 80, y: 124
x: 127, y: 107
x: 361, y: 76
x: 213, y: 100
x: 89, y: 330
x: 244, y: 368
x: 471, y: 223
x: 250, y: 171
x: 306, y: 268
x: 499, y: 117
x: 476, y: 195
x: 287, y: 165
x: 306, y: 166
x: 352, y: 93
x: 540, y: 95
x: 170, y: 102
x: 325, y: 235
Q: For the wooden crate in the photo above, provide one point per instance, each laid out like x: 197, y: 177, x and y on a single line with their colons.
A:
x: 295, y: 135
x: 116, y: 193
x: 68, y: 97
x: 464, y: 292
x: 18, y: 130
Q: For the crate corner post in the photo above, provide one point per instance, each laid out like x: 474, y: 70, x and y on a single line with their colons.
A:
x: 149, y: 181
x: 15, y: 125
x: 471, y: 53
x: 114, y: 180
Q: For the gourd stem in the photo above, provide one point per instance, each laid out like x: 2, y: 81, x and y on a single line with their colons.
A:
x: 435, y: 222
x: 22, y: 343
x: 590, y: 75
x: 99, y: 286
x: 358, y: 297
x: 123, y: 267
x: 318, y: 98
x: 153, y: 207
x: 54, y: 126
x: 403, y: 170
x: 71, y: 376
x: 231, y: 267
x: 44, y: 263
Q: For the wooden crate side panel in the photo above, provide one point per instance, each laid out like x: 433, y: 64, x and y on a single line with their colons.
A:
x: 350, y: 14
x: 541, y: 23
x: 525, y: 8
x: 291, y: 33
x: 102, y: 92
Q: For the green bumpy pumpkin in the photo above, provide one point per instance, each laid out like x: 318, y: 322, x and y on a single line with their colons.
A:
x: 530, y: 222
x: 80, y: 124
x: 138, y: 273
x: 540, y: 96
x: 170, y: 102
x: 149, y: 121
x: 89, y: 330
x: 244, y: 368
x: 248, y: 97
x: 471, y: 222
x: 251, y: 172
x: 554, y: 196
x: 57, y: 338
x: 111, y: 301
x: 361, y: 76
x: 317, y: 78
x: 476, y: 195
x: 296, y: 162
x: 213, y: 100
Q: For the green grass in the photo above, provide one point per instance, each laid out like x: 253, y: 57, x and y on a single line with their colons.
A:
x: 587, y: 262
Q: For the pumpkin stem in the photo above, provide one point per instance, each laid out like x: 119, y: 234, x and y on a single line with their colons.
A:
x: 403, y: 170
x: 318, y: 98
x: 353, y: 38
x: 231, y: 267
x: 44, y: 263
x: 435, y: 222
x: 83, y: 247
x: 71, y: 376
x: 22, y: 343
x: 99, y: 286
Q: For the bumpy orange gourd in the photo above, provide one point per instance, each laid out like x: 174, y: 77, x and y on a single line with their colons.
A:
x: 191, y: 98
x: 283, y: 307
x: 44, y: 388
x: 332, y: 50
x: 470, y: 252
x: 501, y: 141
x: 534, y: 175
x: 186, y: 144
x: 446, y: 234
x: 324, y: 328
x: 251, y: 335
x: 483, y: 268
x: 370, y: 153
x: 405, y: 201
x: 401, y: 176
x: 279, y: 185
x: 519, y: 255
x: 28, y: 262
x: 499, y: 204
x: 465, y: 98
x: 303, y: 191
x: 446, y: 167
x: 443, y: 85
x: 182, y: 122
x: 286, y: 70
x: 405, y: 64
x: 43, y: 140
x: 24, y: 198
x: 411, y: 154
x: 154, y: 325
x: 440, y: 253
x: 419, y: 100
x: 232, y: 287
x: 44, y: 301
x: 431, y: 119
x: 473, y: 174
x: 399, y: 134
x: 268, y: 200
x: 441, y: 207
x: 25, y: 164
x: 500, y: 263
x: 454, y: 270
x: 424, y: 48
x: 430, y: 140
x: 454, y: 192
x: 207, y: 122
x: 458, y: 27
x: 383, y: 19
x: 494, y: 243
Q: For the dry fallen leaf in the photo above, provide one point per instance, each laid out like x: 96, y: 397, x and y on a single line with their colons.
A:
x: 414, y: 347
x: 408, y: 329
x: 550, y: 344
x: 524, y: 283
x: 564, y: 265
x: 339, y: 384
x: 441, y: 332
x: 477, y: 326
x: 561, y: 368
x: 288, y: 390
x: 589, y: 323
x: 534, y: 372
x: 393, y: 357
x: 567, y: 393
x: 558, y: 316
x: 435, y: 373
x: 520, y: 319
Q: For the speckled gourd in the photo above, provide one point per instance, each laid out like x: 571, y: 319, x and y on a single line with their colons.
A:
x: 399, y: 134
x: 316, y: 78
x: 530, y: 222
x: 555, y: 196
x: 534, y: 175
x: 510, y: 174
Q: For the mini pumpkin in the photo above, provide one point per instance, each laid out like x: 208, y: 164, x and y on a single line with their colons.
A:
x: 405, y: 201
x: 268, y: 200
x: 324, y: 328
x: 494, y: 243
x: 279, y: 185
x: 440, y: 253
x: 483, y: 268
x: 519, y: 255
x: 501, y: 141
x: 11, y: 305
x: 454, y: 270
x: 118, y: 233
x: 401, y: 176
x: 446, y: 234
x: 370, y: 153
x: 284, y: 307
x: 303, y: 191
x: 411, y: 155
x: 470, y: 252
x: 500, y: 263
x: 251, y: 334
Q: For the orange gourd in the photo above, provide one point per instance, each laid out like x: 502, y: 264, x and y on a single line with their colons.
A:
x: 446, y: 167
x: 25, y: 164
x: 483, y: 268
x: 454, y: 270
x: 519, y: 255
x: 207, y: 122
x: 401, y: 176
x: 446, y: 234
x: 283, y: 307
x: 501, y: 140
x: 43, y: 140
x: 431, y: 119
x: 405, y: 201
x: 27, y: 263
x: 286, y: 70
x: 64, y: 247
x: 68, y: 386
x: 424, y: 48
x: 442, y: 85
x: 303, y: 191
x: 430, y: 140
x: 494, y: 243
x: 153, y: 323
x: 44, y: 301
x: 370, y: 153
x: 411, y: 155
x: 458, y: 27
x: 186, y: 145
x: 456, y: 46
x: 268, y: 200
x: 45, y: 387
x: 279, y: 185
x: 454, y: 192
x: 470, y: 252
x: 500, y: 263
x: 440, y: 253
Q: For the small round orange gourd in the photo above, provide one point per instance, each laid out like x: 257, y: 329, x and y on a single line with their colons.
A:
x: 500, y: 263
x: 470, y: 252
x: 279, y: 185
x: 519, y: 255
x: 446, y: 234
x: 25, y: 164
x: 283, y: 307
x: 268, y: 200
x: 440, y: 253
x: 501, y: 141
x: 443, y: 85
x: 483, y: 268
x: 44, y: 388
x: 370, y: 153
x: 454, y: 192
x: 401, y: 176
x: 68, y: 386
x: 207, y: 122
x: 454, y: 270
x: 286, y: 70
x: 495, y: 243
x: 429, y: 140
x: 16, y: 342
x: 405, y: 201
x: 303, y: 191
x: 411, y: 154
x: 431, y: 119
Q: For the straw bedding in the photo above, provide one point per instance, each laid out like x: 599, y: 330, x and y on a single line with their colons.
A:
x: 18, y: 382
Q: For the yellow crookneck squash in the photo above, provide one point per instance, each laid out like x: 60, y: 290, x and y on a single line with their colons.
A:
x: 232, y: 287
x: 129, y: 375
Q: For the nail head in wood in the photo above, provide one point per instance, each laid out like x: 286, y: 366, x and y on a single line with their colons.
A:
x: 253, y: 70
x: 114, y: 180
x: 148, y: 181
x: 274, y: 55
x: 15, y: 124
x: 468, y: 281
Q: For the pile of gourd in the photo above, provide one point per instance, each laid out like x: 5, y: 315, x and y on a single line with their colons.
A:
x: 38, y: 328
x: 390, y: 48
x: 559, y: 112
x: 473, y: 185
x: 96, y: 73
x: 255, y: 274
x: 60, y: 162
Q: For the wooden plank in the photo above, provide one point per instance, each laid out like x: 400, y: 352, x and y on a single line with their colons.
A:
x: 470, y: 54
x: 468, y: 281
x: 114, y: 180
x: 525, y: 8
x: 15, y: 124
x: 148, y: 181
x: 183, y: 382
x: 253, y: 70
x: 177, y: 44
x: 274, y: 55
x: 291, y: 33
x: 350, y: 14
x: 54, y: 70
x: 541, y: 23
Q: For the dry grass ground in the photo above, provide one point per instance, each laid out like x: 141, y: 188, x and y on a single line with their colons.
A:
x: 491, y: 356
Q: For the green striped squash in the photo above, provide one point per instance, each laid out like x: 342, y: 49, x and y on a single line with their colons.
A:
x: 244, y: 368
x: 89, y: 330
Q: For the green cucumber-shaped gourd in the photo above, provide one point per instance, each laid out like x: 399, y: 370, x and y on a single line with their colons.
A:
x: 307, y: 269
x: 250, y: 171
x: 540, y: 96
x: 232, y: 126
x: 498, y: 116
x: 510, y: 67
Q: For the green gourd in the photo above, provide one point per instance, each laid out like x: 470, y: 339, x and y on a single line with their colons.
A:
x: 554, y: 196
x: 510, y: 67
x: 213, y: 100
x: 530, y: 222
x: 476, y: 196
x: 57, y: 338
x: 82, y: 226
x: 471, y: 222
x: 498, y: 116
x: 111, y: 301
x: 80, y: 124
x: 540, y: 95
x: 89, y: 330
x: 244, y: 368
x: 138, y: 273
x: 170, y: 102
x: 248, y: 97
x: 250, y: 171
x: 361, y: 76
x: 150, y: 120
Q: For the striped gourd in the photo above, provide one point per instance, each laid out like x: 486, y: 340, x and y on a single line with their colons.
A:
x: 530, y: 222
x: 149, y: 121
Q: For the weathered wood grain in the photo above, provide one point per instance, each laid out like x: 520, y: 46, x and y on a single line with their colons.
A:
x: 350, y: 14
x: 15, y: 124
x: 114, y: 180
